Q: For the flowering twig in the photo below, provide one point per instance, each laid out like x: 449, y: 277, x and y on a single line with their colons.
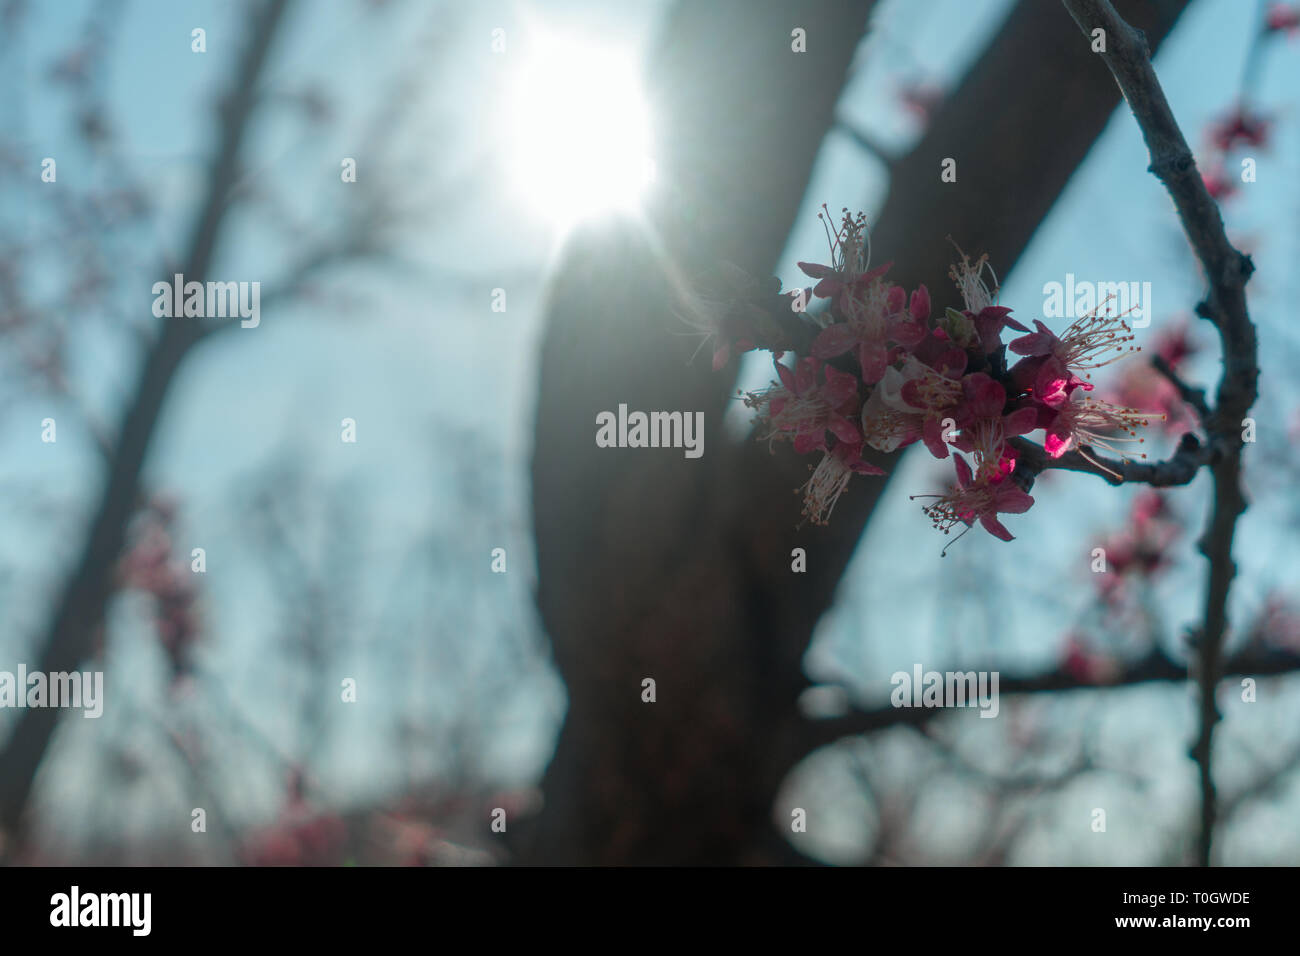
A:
x: 1179, y: 469
x: 1227, y: 271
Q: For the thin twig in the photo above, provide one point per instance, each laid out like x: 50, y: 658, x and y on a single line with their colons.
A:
x: 1226, y: 271
x: 1179, y: 469
x: 867, y: 142
x: 1194, y: 397
x: 1157, y: 667
x: 79, y: 613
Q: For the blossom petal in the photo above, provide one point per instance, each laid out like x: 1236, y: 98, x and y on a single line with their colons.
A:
x: 910, y: 394
x: 951, y: 362
x: 907, y: 333
x: 1052, y: 384
x: 844, y: 430
x: 995, y: 527
x: 1021, y: 421
x: 809, y: 441
x: 896, y: 301
x: 805, y: 375
x: 834, y: 340
x: 932, y: 437
x: 984, y: 397
x: 840, y: 386
x: 1057, y: 444
x: 828, y: 287
x: 1036, y: 343
x: 874, y: 359
x: 919, y: 306
x: 1013, y: 501
x: 963, y: 471
x: 814, y: 270
x: 785, y: 374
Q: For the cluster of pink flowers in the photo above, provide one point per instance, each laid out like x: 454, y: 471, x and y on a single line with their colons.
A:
x: 302, y: 836
x: 1282, y: 18
x: 1139, y: 551
x: 1140, y: 385
x: 1240, y: 128
x: 1083, y: 661
x: 149, y: 565
x: 1278, y: 623
x: 884, y: 372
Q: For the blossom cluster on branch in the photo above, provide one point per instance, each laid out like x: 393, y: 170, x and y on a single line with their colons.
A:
x: 1138, y: 550
x: 1144, y: 385
x: 1241, y: 128
x: 882, y: 371
x: 150, y: 565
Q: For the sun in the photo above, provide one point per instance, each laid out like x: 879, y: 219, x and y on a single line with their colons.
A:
x: 578, y: 131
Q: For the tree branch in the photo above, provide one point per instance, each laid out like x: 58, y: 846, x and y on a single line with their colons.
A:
x: 1156, y: 667
x: 1194, y: 397
x: 866, y: 141
x: 1224, y: 305
x: 79, y: 614
x: 1180, y: 469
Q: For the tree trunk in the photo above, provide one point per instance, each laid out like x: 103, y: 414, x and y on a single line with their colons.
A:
x: 652, y: 565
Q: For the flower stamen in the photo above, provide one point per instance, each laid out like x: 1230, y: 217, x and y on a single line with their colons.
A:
x: 1089, y: 338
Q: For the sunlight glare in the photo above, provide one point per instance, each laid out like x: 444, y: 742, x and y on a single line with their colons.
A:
x: 579, y: 131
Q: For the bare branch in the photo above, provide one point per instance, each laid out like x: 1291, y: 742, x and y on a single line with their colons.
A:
x: 79, y: 614
x: 1194, y: 397
x: 1180, y: 469
x: 867, y: 142
x: 1157, y: 667
x: 1226, y: 271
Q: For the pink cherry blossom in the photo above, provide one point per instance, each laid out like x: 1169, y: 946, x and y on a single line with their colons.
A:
x: 1218, y: 183
x: 1240, y: 128
x: 980, y: 500
x: 809, y: 401
x: 873, y: 316
x: 1094, y: 340
x: 1090, y: 423
x: 1282, y: 17
x: 984, y: 427
x: 945, y: 384
x: 831, y: 477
